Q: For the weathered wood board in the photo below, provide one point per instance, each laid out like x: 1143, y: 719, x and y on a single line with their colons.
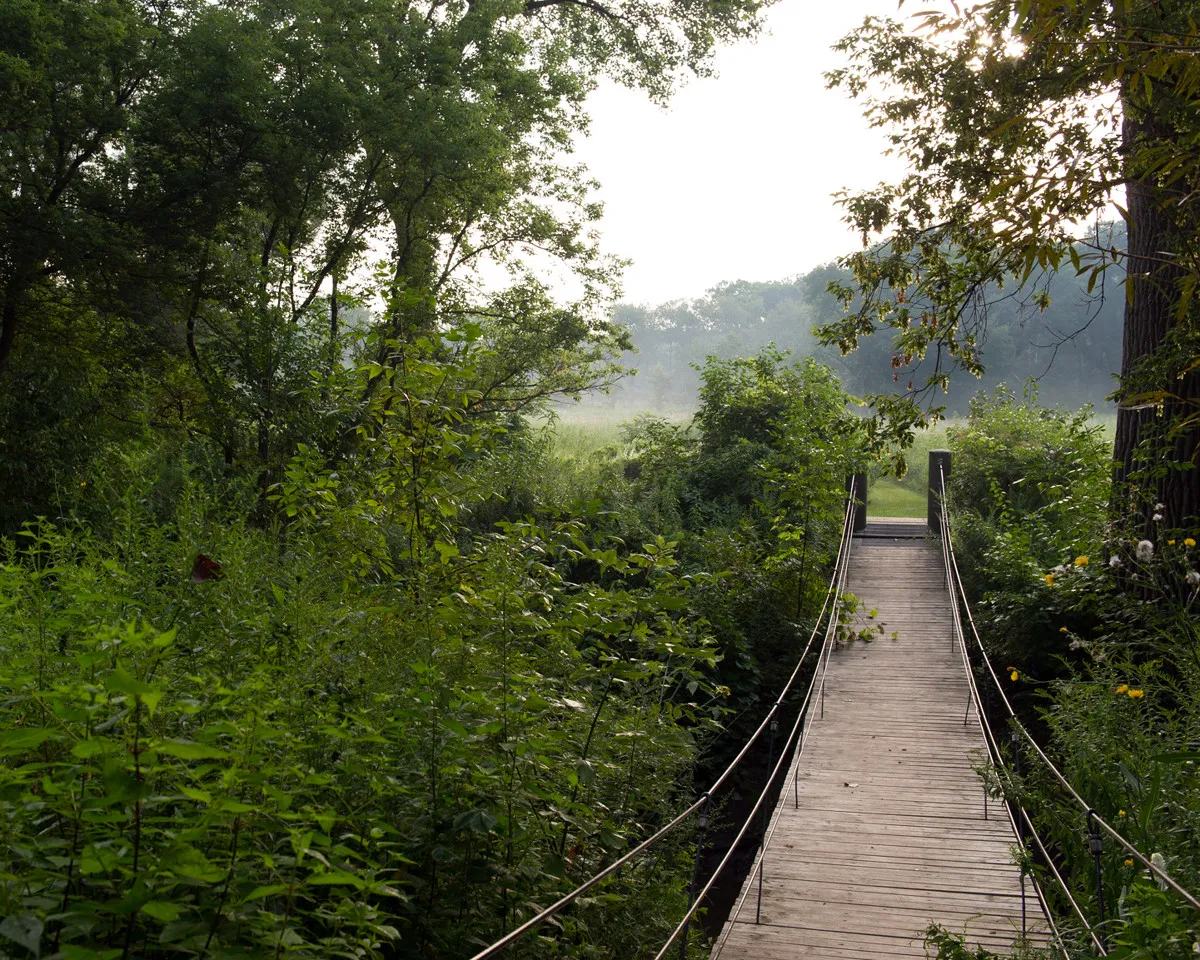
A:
x: 886, y: 832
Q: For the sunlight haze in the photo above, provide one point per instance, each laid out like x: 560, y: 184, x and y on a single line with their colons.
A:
x: 733, y: 180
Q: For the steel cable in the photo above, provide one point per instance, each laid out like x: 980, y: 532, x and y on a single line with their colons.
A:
x: 515, y: 934
x: 830, y: 633
x: 1058, y: 775
x: 997, y: 757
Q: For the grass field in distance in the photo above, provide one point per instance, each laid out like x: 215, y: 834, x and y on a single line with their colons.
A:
x: 580, y: 431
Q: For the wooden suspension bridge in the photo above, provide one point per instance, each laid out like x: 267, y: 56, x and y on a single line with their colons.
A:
x: 883, y: 827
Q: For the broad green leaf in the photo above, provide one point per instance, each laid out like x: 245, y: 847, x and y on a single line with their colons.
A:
x: 188, y: 750
x: 258, y: 893
x: 121, y: 681
x: 159, y: 910
x: 186, y: 861
x: 96, y: 746
x: 25, y: 738
x: 24, y: 929
x: 335, y: 878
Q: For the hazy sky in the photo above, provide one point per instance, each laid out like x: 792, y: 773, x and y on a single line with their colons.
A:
x: 733, y: 180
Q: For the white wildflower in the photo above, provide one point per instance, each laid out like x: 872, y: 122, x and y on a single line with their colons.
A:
x: 1158, y: 516
x: 1059, y: 570
x: 1160, y: 862
x: 1160, y: 506
x: 1145, y: 550
x: 1075, y: 644
x: 1193, y: 578
x: 1114, y: 561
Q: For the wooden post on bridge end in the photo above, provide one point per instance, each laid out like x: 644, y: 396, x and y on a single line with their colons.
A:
x: 939, y: 464
x: 856, y: 487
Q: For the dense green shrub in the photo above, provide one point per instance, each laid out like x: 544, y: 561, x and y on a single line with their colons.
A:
x: 284, y: 764
x: 1099, y: 638
x: 755, y: 489
x: 368, y: 728
x: 405, y: 697
x: 1029, y: 489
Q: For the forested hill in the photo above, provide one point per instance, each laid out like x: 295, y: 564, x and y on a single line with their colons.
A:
x: 1072, y: 347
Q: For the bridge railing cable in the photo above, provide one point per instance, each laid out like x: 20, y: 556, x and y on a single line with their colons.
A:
x: 1095, y: 820
x: 800, y: 728
x: 700, y: 805
x: 997, y: 757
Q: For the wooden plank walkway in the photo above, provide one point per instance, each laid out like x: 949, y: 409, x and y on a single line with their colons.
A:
x: 889, y: 834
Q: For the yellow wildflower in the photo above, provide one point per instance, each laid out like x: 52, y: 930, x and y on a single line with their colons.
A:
x: 1062, y: 630
x: 1121, y: 812
x: 1012, y: 673
x: 1189, y: 542
x: 1123, y: 688
x: 1049, y: 578
x: 1081, y: 561
x: 1170, y: 543
x: 83, y: 483
x: 1129, y: 863
x: 1136, y: 694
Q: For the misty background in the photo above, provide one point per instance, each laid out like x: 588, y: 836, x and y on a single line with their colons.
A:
x: 1068, y: 352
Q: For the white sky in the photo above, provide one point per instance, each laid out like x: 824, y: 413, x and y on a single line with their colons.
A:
x: 733, y: 180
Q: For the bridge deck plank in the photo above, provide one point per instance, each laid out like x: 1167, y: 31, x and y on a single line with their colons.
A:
x: 886, y: 833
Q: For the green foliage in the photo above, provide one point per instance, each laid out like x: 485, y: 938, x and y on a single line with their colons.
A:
x: 1017, y: 457
x: 1028, y: 486
x: 186, y: 235
x: 1101, y: 643
x: 296, y: 656
x: 953, y: 946
x: 300, y: 767
x: 1017, y: 123
x: 419, y: 702
x: 755, y: 488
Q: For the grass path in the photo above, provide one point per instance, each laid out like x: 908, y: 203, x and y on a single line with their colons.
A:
x: 888, y: 498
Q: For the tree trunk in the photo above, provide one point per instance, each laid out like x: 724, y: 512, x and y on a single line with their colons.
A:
x: 1156, y: 394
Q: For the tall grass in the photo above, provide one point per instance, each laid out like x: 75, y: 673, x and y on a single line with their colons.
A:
x: 578, y: 439
x: 907, y: 497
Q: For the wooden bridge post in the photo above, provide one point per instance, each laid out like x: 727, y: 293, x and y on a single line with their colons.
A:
x: 856, y: 487
x: 939, y: 464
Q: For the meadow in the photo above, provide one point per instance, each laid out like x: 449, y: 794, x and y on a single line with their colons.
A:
x: 577, y: 432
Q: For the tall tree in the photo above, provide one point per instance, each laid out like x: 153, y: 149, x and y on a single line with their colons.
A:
x: 1020, y: 122
x: 201, y: 173
x: 70, y: 75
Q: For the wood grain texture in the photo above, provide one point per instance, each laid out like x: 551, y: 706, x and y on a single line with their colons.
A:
x: 885, y: 832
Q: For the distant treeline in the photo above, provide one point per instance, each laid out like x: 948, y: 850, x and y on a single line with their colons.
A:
x: 1072, y: 347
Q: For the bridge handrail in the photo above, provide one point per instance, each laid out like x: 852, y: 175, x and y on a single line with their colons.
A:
x: 837, y: 578
x: 993, y: 747
x: 822, y: 668
x: 1089, y: 811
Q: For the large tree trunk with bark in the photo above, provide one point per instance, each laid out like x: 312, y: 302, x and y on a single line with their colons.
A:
x: 1155, y: 456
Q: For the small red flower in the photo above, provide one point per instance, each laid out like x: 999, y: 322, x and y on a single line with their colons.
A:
x: 206, y: 568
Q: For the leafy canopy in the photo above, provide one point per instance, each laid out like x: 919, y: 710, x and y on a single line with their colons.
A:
x: 1013, y: 121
